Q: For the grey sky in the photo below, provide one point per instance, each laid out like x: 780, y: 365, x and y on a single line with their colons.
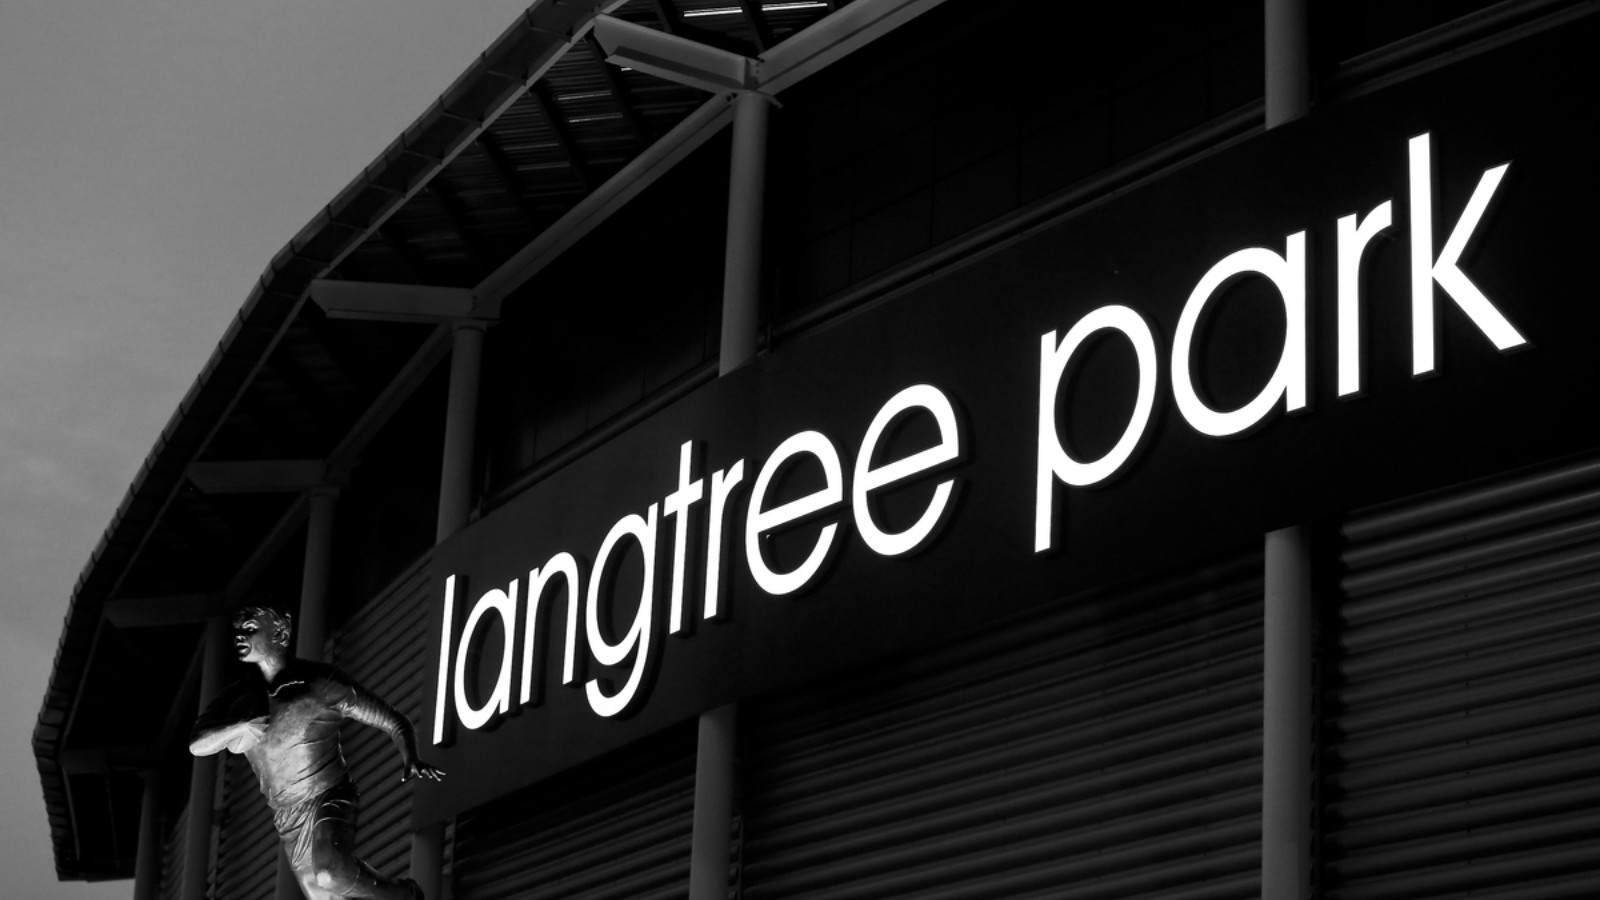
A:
x: 154, y: 155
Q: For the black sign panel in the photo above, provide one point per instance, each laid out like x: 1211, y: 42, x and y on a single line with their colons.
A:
x: 1510, y: 249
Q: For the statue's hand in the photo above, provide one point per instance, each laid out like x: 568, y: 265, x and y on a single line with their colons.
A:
x: 420, y: 769
x: 247, y: 734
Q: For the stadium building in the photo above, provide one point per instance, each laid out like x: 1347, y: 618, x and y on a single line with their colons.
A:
x: 902, y: 448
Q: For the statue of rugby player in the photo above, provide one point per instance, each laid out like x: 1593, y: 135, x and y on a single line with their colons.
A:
x: 288, y: 730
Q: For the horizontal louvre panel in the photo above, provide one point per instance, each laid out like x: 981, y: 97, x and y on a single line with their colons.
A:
x: 247, y: 852
x: 383, y: 648
x: 615, y: 829
x: 1464, y: 704
x: 171, y: 886
x: 1110, y: 748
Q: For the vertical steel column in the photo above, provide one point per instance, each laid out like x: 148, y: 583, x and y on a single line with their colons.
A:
x: 747, y: 185
x: 1287, y: 704
x: 203, y: 775
x: 311, y: 631
x: 147, y: 864
x: 460, y: 428
x: 741, y: 327
x: 1288, y: 54
x: 455, y: 505
x: 713, y: 803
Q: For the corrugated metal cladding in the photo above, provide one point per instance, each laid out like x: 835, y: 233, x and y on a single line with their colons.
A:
x: 1465, y: 706
x: 1111, y: 749
x: 171, y: 885
x: 379, y: 647
x: 616, y: 828
x: 247, y: 849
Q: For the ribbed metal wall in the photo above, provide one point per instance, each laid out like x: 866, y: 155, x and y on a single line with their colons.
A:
x: 171, y: 886
x: 384, y: 648
x: 247, y: 845
x: 615, y: 829
x: 1110, y: 748
x: 1464, y: 702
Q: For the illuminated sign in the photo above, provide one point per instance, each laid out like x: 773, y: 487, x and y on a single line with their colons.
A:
x: 638, y: 533
x: 871, y: 475
x: 1312, y: 320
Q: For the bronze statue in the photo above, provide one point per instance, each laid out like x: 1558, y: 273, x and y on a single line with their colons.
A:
x: 288, y: 730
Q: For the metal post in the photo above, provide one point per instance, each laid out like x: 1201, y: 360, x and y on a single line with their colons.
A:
x: 311, y: 631
x: 147, y: 864
x: 427, y: 859
x: 455, y: 505
x: 460, y: 428
x: 1288, y: 60
x: 713, y: 804
x: 1287, y: 704
x: 203, y: 774
x: 747, y: 184
x: 741, y: 327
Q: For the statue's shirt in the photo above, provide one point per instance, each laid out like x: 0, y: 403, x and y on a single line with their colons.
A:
x: 299, y: 757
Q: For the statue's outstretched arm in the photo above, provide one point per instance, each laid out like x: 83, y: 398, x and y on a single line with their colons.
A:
x: 233, y: 722
x: 370, y: 710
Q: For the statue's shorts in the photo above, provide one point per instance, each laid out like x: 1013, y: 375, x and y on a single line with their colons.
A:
x: 318, y: 835
x: 326, y: 822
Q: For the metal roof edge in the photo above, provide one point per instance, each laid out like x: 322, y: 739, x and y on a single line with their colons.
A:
x: 272, y: 304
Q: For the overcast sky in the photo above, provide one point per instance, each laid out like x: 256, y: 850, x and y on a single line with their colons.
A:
x: 154, y: 155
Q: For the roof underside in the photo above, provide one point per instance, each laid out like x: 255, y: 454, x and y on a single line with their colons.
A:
x: 447, y: 204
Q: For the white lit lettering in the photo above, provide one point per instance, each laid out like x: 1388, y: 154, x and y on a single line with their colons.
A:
x: 636, y: 642
x: 868, y: 479
x: 1353, y: 238
x: 1288, y: 275
x: 676, y: 505
x: 722, y: 487
x: 761, y: 521
x: 504, y: 604
x: 1445, y: 269
x: 1053, y: 460
x: 564, y: 565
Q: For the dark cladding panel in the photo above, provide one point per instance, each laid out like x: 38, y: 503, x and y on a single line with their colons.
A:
x: 1464, y: 699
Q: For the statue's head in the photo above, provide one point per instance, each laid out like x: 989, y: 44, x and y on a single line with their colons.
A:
x: 261, y: 631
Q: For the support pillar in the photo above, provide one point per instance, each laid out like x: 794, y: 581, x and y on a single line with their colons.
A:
x: 1287, y: 707
x: 715, y: 773
x: 747, y: 185
x: 1288, y: 54
x: 203, y: 774
x: 455, y: 506
x: 460, y: 428
x: 311, y: 630
x: 713, y: 804
x: 427, y: 859
x: 147, y: 864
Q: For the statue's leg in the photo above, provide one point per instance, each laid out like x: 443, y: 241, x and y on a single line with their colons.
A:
x: 333, y: 865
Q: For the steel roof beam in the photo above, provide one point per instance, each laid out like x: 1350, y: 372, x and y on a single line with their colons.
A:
x: 619, y: 90
x: 154, y: 612
x: 398, y: 302
x: 258, y: 476
x: 551, y: 111
x: 673, y: 58
x: 758, y: 23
